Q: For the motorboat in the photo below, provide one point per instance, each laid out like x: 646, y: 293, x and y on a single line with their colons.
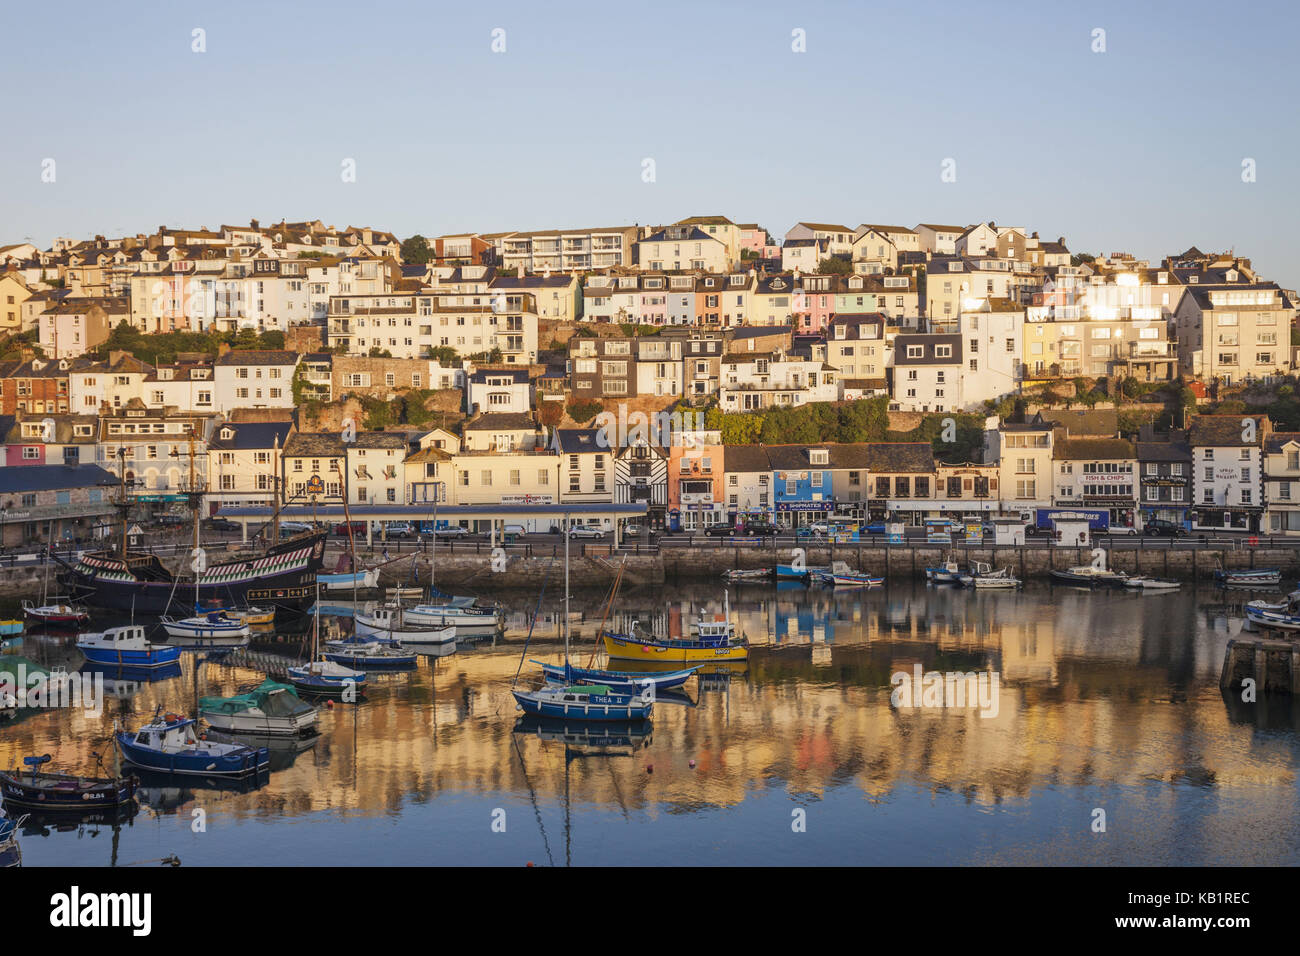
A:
x: 127, y: 646
x: 268, y: 708
x: 1142, y: 583
x: 387, y: 621
x: 1087, y: 575
x: 170, y: 744
x: 982, y: 577
x: 213, y: 629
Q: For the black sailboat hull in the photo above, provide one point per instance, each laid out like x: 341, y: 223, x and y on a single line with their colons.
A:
x: 284, y: 577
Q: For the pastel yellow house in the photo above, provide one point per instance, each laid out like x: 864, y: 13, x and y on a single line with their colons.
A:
x: 13, y: 293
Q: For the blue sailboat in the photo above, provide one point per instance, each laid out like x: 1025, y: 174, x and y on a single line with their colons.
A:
x: 627, y: 682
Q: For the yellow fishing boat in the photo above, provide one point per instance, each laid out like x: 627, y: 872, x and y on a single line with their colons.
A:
x: 253, y: 616
x: 631, y: 648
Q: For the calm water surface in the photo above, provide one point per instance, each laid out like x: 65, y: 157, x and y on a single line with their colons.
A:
x: 1108, y: 700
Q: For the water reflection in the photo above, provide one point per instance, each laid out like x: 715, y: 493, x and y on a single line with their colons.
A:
x: 1106, y: 698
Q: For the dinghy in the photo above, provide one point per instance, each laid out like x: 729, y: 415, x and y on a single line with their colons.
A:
x: 127, y: 646
x: 1282, y: 616
x: 982, y: 577
x: 326, y: 679
x: 625, y: 682
x: 947, y: 573
x: 1085, y: 575
x: 370, y: 653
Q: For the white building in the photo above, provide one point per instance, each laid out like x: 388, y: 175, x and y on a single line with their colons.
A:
x: 254, y: 378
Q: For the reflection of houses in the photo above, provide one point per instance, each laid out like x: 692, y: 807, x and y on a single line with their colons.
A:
x: 641, y: 477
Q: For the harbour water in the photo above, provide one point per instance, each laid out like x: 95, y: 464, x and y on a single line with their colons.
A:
x: 1105, y: 701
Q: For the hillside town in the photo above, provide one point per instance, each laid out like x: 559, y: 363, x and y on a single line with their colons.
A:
x: 713, y: 371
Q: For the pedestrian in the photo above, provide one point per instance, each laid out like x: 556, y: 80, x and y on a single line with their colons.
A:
x: 385, y: 552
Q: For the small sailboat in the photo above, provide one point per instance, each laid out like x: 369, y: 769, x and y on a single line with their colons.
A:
x: 982, y: 576
x: 45, y: 790
x: 268, y: 708
x: 587, y: 702
x: 56, y: 615
x: 463, y: 613
x: 1248, y: 577
x: 947, y: 573
x: 127, y: 646
x: 325, y: 678
x: 387, y: 621
x: 622, y: 681
x: 213, y: 629
x: 578, y: 701
x: 169, y: 744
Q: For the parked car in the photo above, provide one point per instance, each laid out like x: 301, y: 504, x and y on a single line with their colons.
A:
x: 395, y: 529
x: 452, y: 531
x: 817, y: 529
x: 358, y: 528
x: 586, y: 531
x: 513, y: 530
x: 760, y: 529
x: 632, y: 530
x: 172, y: 520
x: 220, y: 524
x: 1119, y: 529
x: 721, y: 530
x: 1158, y: 527
x: 294, y: 527
x: 875, y: 527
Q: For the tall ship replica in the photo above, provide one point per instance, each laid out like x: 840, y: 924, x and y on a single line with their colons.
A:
x: 279, y: 575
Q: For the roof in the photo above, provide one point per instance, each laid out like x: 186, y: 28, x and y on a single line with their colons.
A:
x: 894, y: 457
x: 1224, y: 430
x: 740, y: 458
x: 314, y: 445
x: 929, y: 344
x: 1103, y: 422
x: 1093, y: 449
x: 516, y: 375
x: 251, y: 435
x: 503, y: 421
x: 1163, y: 451
x: 572, y: 441
x: 52, y: 477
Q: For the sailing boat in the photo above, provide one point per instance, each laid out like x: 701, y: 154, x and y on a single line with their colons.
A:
x: 137, y: 582
x: 322, y: 677
x: 577, y: 701
x: 213, y: 628
x: 56, y: 614
x: 627, y: 682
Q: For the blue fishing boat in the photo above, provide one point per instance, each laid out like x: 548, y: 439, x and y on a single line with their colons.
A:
x: 326, y: 679
x: 789, y: 572
x: 46, y: 790
x: 370, y: 654
x: 586, y: 702
x: 127, y: 646
x: 361, y: 580
x: 947, y: 573
x: 170, y: 744
x: 627, y: 682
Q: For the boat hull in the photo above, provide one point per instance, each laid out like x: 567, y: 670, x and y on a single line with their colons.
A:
x: 282, y: 578
x: 623, y: 647
x: 161, y: 655
x: 1262, y: 577
x: 596, y: 707
x: 624, y: 681
x: 405, y: 636
x: 65, y: 793
x: 249, y: 762
x: 260, y: 724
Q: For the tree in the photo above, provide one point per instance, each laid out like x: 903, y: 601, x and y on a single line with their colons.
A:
x: 835, y: 266
x: 416, y: 250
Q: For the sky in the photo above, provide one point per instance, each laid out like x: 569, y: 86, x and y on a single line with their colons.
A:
x: 1138, y: 147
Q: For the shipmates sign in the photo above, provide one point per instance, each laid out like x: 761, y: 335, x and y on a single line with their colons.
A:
x: 315, y: 485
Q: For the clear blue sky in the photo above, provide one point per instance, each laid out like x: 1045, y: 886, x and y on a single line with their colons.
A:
x: 1136, y: 149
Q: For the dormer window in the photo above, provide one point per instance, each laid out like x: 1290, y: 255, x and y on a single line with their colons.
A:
x: 818, y: 456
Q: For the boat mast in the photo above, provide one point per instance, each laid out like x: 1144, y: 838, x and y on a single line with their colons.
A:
x: 277, y: 489
x: 567, y: 536
x: 352, y: 545
x: 123, y: 503
x: 196, y: 504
